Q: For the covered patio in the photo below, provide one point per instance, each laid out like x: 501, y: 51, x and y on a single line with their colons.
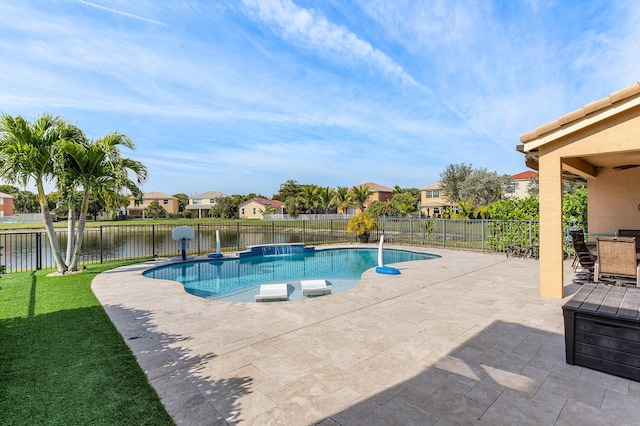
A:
x: 599, y: 142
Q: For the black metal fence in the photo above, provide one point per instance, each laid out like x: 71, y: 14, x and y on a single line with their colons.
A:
x: 26, y: 251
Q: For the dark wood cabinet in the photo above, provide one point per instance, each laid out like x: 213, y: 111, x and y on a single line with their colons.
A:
x: 602, y: 329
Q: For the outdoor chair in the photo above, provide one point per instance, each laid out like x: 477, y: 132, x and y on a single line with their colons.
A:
x: 583, y: 259
x: 272, y: 292
x: 617, y: 260
x: 575, y: 235
x: 315, y: 287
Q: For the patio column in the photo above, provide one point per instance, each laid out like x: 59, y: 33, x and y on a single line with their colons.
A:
x: 551, y: 232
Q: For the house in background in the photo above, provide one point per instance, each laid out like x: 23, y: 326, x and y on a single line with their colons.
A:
x: 200, y: 204
x: 6, y: 205
x: 167, y: 202
x: 519, y: 185
x: 253, y: 208
x: 378, y: 193
x: 432, y: 201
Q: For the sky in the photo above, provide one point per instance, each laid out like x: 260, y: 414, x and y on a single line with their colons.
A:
x: 242, y: 96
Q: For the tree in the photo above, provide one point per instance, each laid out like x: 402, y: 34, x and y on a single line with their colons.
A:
x: 451, y: 180
x: 379, y: 208
x: 27, y: 152
x: 326, y: 198
x: 155, y: 210
x: 183, y: 201
x: 403, y: 204
x: 574, y: 206
x: 290, y: 188
x: 227, y: 207
x: 95, y: 168
x: 342, y: 199
x: 483, y: 187
x: 359, y: 195
x: 310, y: 196
x: 464, y: 210
x: 294, y: 205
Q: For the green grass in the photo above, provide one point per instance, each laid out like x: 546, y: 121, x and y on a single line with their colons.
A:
x: 62, y: 361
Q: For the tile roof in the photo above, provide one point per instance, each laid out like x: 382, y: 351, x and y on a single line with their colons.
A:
x: 374, y: 187
x: 529, y: 174
x: 583, y: 112
x: 264, y: 201
x: 156, y: 195
x: 432, y: 186
x: 208, y: 194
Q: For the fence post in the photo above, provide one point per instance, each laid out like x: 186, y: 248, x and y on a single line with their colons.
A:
x: 153, y: 240
x: 198, y: 238
x: 304, y: 232
x: 444, y: 233
x: 273, y: 233
x: 410, y: 232
x: 101, y: 256
x: 483, y: 236
x: 238, y: 227
x: 331, y: 231
x: 39, y: 250
x: 530, y: 233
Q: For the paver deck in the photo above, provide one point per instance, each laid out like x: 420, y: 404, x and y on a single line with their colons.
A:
x: 464, y: 339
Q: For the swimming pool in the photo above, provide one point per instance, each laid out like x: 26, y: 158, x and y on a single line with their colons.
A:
x: 238, y: 279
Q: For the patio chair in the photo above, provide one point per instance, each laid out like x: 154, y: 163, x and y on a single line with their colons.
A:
x: 575, y: 235
x: 617, y: 260
x: 315, y: 287
x: 272, y: 292
x: 583, y: 260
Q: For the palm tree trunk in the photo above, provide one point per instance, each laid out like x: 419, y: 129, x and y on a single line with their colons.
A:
x: 71, y: 226
x: 51, y: 233
x: 73, y: 265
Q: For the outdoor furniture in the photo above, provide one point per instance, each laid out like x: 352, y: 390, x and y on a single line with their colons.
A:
x: 583, y: 259
x: 602, y: 329
x: 575, y: 235
x: 315, y: 287
x: 631, y: 233
x: 617, y: 260
x: 271, y: 292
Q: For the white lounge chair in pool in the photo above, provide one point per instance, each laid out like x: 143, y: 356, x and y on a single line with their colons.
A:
x: 315, y: 287
x: 270, y: 292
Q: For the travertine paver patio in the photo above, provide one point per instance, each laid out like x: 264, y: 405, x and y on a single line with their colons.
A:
x: 458, y: 340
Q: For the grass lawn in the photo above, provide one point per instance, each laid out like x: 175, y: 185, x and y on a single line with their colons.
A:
x: 62, y: 361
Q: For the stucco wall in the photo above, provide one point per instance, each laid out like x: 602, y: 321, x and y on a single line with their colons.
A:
x: 614, y: 200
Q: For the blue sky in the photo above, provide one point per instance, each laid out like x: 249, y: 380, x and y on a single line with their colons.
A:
x: 241, y: 96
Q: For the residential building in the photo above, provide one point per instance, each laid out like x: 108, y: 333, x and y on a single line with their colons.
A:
x: 6, y: 204
x: 519, y: 185
x: 254, y: 208
x: 378, y: 193
x: 432, y: 201
x: 200, y: 204
x: 167, y: 202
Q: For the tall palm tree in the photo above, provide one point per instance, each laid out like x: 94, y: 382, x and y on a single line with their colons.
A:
x: 309, y: 195
x: 342, y: 199
x: 26, y: 152
x: 359, y: 195
x: 326, y: 198
x: 99, y: 168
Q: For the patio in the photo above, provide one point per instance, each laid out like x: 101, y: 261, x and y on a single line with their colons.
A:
x: 457, y: 340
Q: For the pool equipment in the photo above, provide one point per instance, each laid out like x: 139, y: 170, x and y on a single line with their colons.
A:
x: 381, y: 269
x: 183, y: 234
x: 217, y: 254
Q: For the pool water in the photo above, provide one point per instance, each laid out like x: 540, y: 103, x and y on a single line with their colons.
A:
x: 239, y: 279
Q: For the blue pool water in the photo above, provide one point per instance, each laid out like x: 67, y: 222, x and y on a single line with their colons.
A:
x: 239, y: 279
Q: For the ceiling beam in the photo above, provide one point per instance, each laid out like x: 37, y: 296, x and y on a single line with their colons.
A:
x: 579, y: 167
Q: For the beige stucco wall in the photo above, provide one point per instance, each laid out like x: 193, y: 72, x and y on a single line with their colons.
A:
x: 610, y: 210
x: 251, y: 211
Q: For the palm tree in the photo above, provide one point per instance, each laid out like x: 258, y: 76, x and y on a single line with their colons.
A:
x: 326, y: 198
x: 359, y: 195
x: 99, y: 168
x: 26, y: 152
x: 310, y: 198
x: 342, y: 199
